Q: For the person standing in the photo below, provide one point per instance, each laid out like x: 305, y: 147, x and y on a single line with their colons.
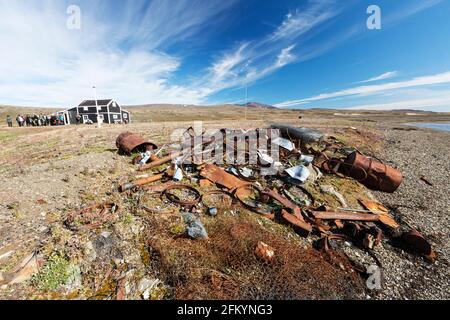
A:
x: 9, y: 121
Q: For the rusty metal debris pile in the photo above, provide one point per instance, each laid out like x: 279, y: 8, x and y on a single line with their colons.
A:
x: 210, y: 216
x: 287, y: 189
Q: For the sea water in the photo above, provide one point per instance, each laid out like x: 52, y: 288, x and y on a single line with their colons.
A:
x: 431, y: 125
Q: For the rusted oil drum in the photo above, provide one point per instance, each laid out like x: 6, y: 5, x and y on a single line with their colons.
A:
x: 372, y: 173
x: 129, y: 142
x: 415, y: 239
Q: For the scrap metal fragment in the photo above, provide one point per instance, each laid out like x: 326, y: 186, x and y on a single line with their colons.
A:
x: 356, y: 216
x: 288, y: 204
x: 382, y: 211
x: 129, y: 142
x: 22, y: 272
x: 185, y: 203
x: 299, y: 225
x: 92, y: 217
x: 221, y: 177
x: 416, y: 240
x: 264, y: 252
x: 159, y: 187
x: 284, y: 143
x: 300, y: 173
x: 160, y: 162
x: 305, y: 135
x: 141, y: 182
x: 424, y: 179
x: 372, y: 173
x: 330, y: 190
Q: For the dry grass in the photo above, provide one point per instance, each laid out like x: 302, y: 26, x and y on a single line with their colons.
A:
x: 225, y: 266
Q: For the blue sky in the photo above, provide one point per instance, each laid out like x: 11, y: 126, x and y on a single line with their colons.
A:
x: 292, y: 54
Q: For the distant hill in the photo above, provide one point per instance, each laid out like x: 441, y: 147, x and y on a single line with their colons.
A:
x: 258, y: 105
x: 170, y: 106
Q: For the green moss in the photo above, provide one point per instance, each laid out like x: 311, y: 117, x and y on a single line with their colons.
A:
x: 127, y: 219
x: 56, y: 272
x: 158, y: 293
x: 177, y: 229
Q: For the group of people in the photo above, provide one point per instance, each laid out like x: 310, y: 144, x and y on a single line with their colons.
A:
x: 36, y: 120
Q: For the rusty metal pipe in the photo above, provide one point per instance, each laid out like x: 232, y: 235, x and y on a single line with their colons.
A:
x: 141, y: 182
x: 159, y: 162
x: 301, y: 226
x: 285, y: 202
x: 329, y: 215
x: 154, y: 158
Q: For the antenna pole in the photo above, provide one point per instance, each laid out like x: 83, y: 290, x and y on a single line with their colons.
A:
x: 99, y: 125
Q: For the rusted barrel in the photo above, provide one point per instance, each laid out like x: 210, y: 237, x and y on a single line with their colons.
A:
x: 372, y: 173
x: 129, y: 142
x: 415, y: 239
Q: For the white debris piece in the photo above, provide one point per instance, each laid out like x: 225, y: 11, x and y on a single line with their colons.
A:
x: 332, y: 191
x: 146, y: 286
x: 285, y: 143
x: 300, y: 173
x: 306, y: 160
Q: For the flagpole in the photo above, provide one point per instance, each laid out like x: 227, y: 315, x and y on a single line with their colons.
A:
x: 96, y: 107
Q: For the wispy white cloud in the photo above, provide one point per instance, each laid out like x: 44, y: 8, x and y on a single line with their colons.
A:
x: 384, y: 76
x: 410, y: 8
x: 301, y: 21
x: 165, y: 23
x: 226, y: 66
x: 440, y: 78
x: 261, y: 57
x: 120, y: 53
x: 286, y: 56
x: 441, y: 103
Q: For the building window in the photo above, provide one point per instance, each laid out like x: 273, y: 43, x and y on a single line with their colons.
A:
x: 85, y: 108
x: 115, y: 116
x: 125, y: 115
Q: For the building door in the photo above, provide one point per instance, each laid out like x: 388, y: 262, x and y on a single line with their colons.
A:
x: 85, y: 118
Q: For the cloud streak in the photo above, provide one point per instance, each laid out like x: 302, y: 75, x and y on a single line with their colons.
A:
x: 256, y: 59
x: 427, y: 104
x: 384, y: 76
x: 441, y: 78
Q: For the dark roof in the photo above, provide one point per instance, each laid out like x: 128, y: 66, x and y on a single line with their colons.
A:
x: 91, y: 103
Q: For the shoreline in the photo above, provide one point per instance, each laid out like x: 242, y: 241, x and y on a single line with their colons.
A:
x: 438, y: 126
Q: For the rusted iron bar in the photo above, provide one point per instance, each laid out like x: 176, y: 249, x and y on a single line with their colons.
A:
x: 160, y: 162
x: 356, y: 216
x: 141, y: 182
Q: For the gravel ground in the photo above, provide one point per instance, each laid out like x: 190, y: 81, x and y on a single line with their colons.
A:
x: 426, y: 208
